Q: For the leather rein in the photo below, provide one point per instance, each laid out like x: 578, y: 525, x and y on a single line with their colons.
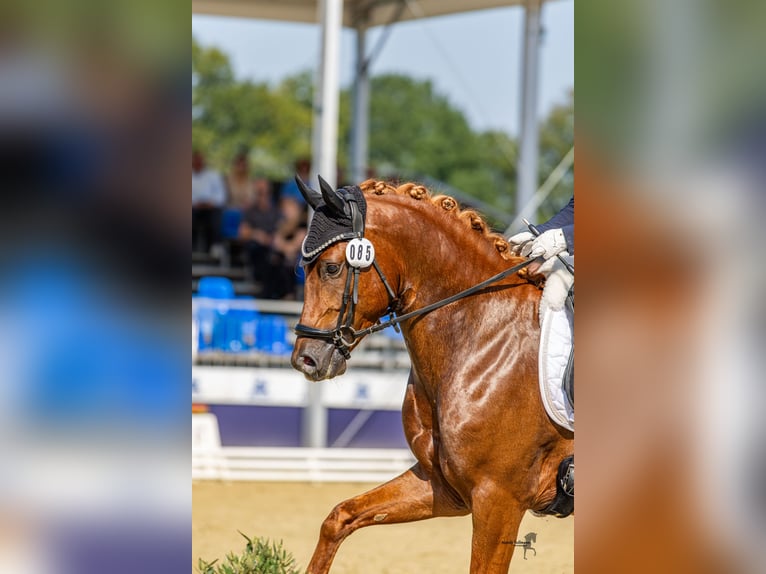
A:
x: 344, y: 336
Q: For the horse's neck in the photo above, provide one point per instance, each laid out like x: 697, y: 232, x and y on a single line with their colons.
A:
x: 438, y: 261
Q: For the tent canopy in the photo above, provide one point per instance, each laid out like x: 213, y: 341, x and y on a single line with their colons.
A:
x: 369, y: 12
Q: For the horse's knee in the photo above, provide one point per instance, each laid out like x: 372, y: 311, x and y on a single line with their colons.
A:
x: 337, y: 524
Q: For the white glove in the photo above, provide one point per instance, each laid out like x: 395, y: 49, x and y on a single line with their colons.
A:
x: 519, y: 240
x: 546, y: 245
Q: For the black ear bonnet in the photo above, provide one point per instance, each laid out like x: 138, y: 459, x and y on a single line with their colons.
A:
x: 335, y: 221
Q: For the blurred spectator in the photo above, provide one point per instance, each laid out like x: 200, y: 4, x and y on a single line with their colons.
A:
x: 208, y: 197
x: 287, y: 247
x: 290, y: 188
x: 259, y: 224
x: 239, y: 183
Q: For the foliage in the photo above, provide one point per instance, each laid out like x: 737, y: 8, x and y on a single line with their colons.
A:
x: 416, y: 129
x: 260, y: 557
x: 556, y: 139
x: 415, y: 132
x: 274, y: 122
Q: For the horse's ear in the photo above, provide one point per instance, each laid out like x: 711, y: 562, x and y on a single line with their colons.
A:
x: 312, y: 197
x: 331, y: 197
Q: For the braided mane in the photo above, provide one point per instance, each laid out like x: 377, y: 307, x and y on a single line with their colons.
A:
x: 468, y: 217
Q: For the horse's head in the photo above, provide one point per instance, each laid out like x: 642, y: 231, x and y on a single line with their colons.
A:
x: 345, y: 290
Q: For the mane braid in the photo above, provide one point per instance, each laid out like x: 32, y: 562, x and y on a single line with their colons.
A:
x: 468, y: 217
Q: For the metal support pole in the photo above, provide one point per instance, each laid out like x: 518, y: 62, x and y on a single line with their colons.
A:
x: 361, y: 109
x: 528, y: 152
x: 314, y: 418
x: 327, y: 94
x: 324, y: 148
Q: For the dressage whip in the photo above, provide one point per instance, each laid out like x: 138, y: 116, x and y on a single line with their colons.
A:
x: 536, y: 232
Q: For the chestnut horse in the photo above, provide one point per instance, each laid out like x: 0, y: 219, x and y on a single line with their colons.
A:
x: 472, y: 411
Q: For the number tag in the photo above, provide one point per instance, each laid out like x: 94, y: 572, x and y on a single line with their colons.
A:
x: 360, y: 253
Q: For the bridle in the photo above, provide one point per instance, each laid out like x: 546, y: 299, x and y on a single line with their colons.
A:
x: 344, y: 336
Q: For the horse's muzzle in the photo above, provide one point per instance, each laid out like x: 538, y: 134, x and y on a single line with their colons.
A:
x: 317, y: 360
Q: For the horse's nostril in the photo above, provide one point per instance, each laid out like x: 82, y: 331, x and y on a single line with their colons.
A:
x: 308, y: 361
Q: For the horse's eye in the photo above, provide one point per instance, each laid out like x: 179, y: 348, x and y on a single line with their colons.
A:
x: 332, y: 269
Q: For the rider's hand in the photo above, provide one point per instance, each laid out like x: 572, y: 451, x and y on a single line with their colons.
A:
x: 546, y: 245
x: 519, y: 240
x: 544, y: 266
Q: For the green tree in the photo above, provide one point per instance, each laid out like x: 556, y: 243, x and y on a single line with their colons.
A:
x: 415, y: 132
x: 273, y: 122
x: 413, y: 129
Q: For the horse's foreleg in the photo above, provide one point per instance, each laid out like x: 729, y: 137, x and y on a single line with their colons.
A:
x: 408, y: 497
x: 496, y: 522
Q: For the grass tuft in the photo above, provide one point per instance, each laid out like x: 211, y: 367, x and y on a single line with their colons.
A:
x: 259, y: 557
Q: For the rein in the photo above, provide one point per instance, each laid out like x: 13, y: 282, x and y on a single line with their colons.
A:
x: 451, y: 299
x: 343, y: 336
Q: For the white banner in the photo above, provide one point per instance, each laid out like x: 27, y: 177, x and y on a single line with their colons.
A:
x: 357, y: 389
x: 248, y: 386
x: 365, y: 389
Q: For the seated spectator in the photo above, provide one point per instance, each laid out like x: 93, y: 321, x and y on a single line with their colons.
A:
x: 287, y: 247
x: 208, y: 199
x: 259, y: 224
x: 239, y: 182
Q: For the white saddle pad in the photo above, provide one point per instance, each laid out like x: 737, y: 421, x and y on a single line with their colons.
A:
x: 555, y: 344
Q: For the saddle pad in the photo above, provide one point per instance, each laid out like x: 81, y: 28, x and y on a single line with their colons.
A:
x: 555, y: 344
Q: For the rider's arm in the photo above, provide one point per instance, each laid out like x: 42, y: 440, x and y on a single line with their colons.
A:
x: 564, y: 219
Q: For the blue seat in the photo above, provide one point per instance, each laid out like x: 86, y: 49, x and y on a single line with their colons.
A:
x: 264, y: 335
x: 241, y: 329
x: 215, y: 288
x: 271, y: 335
x: 279, y: 342
x: 205, y: 317
x: 213, y: 326
x: 213, y: 319
x: 247, y: 330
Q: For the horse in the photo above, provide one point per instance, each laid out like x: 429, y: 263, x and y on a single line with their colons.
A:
x: 472, y: 412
